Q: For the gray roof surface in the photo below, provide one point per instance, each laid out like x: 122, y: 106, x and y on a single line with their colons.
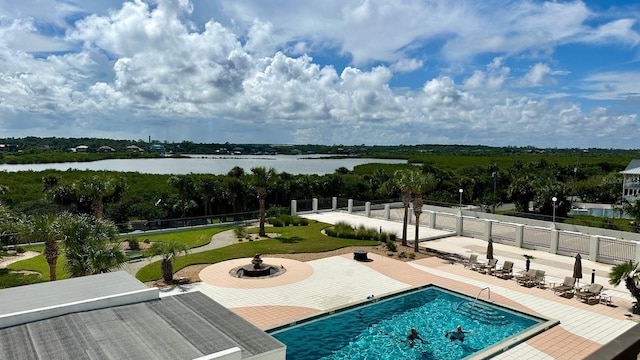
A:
x: 52, y: 293
x: 635, y: 163
x: 633, y: 168
x: 184, y: 326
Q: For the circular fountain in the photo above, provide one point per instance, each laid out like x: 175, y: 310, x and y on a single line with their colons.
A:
x: 257, y: 269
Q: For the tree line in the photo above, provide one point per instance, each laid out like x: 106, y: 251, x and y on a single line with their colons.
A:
x: 122, y: 197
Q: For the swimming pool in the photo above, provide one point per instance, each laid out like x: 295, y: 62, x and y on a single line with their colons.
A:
x: 378, y: 329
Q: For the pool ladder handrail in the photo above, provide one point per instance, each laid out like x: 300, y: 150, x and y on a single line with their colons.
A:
x: 480, y: 292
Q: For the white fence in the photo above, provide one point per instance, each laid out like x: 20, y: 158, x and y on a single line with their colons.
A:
x: 597, y: 244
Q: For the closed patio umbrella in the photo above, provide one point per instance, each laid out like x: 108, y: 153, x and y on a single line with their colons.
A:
x: 490, y: 249
x: 577, y: 269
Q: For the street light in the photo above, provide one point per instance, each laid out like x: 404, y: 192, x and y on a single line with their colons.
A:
x: 554, y: 199
x: 461, y: 191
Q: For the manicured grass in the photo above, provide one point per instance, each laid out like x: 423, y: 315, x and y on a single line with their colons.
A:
x: 39, y: 264
x: 8, y: 279
x: 193, y: 238
x: 293, y: 239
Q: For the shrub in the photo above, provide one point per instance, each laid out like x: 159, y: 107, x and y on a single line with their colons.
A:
x: 412, y: 256
x: 402, y: 255
x: 19, y: 249
x: 393, y: 237
x: 133, y: 244
x: 276, y: 211
x: 240, y: 231
x: 391, y: 246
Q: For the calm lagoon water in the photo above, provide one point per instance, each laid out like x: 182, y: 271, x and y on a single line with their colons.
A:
x: 209, y: 164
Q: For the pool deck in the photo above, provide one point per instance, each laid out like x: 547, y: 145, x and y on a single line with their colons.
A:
x: 314, y: 287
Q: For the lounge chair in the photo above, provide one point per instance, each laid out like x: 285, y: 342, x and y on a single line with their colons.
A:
x: 506, y: 272
x: 488, y: 268
x: 473, y: 261
x: 589, y: 294
x: 565, y: 287
x: 538, y: 280
x: 526, y: 277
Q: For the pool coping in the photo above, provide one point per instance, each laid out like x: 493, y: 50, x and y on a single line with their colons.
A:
x: 496, y: 349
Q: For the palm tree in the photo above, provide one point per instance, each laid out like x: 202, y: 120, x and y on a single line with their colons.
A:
x: 262, y: 180
x: 402, y: 179
x: 420, y: 183
x: 632, y: 209
x: 90, y: 245
x: 627, y: 271
x: 185, y: 186
x: 96, y: 189
x: 44, y: 228
x: 169, y: 251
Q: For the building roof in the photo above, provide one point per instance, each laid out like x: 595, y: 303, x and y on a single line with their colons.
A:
x: 633, y: 168
x: 58, y: 293
x: 185, y: 326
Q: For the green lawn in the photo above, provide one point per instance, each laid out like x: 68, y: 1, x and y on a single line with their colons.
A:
x: 8, y: 279
x: 39, y: 264
x: 298, y: 239
x: 193, y: 238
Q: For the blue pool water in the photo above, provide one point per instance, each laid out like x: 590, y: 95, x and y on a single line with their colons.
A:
x: 378, y: 330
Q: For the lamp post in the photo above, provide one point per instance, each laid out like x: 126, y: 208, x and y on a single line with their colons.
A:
x: 554, y: 199
x: 461, y: 191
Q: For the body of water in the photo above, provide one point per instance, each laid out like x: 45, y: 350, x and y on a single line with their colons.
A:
x: 209, y: 164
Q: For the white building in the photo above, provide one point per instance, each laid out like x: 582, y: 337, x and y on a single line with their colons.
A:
x: 631, y: 182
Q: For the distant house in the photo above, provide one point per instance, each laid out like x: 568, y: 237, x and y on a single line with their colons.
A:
x: 631, y: 182
x: 8, y: 147
x: 106, y: 149
x: 133, y: 148
x: 238, y: 151
x: 159, y: 148
x: 80, y: 149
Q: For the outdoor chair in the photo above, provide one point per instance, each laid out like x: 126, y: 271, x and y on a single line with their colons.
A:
x: 488, y: 268
x: 506, y: 272
x: 472, y: 262
x: 565, y: 287
x: 526, y: 277
x: 589, y: 294
x: 538, y: 280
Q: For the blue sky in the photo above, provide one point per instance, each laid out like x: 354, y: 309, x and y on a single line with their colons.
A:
x: 500, y: 73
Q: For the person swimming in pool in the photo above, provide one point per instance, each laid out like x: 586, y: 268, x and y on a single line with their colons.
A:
x: 413, y: 336
x: 457, y: 334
